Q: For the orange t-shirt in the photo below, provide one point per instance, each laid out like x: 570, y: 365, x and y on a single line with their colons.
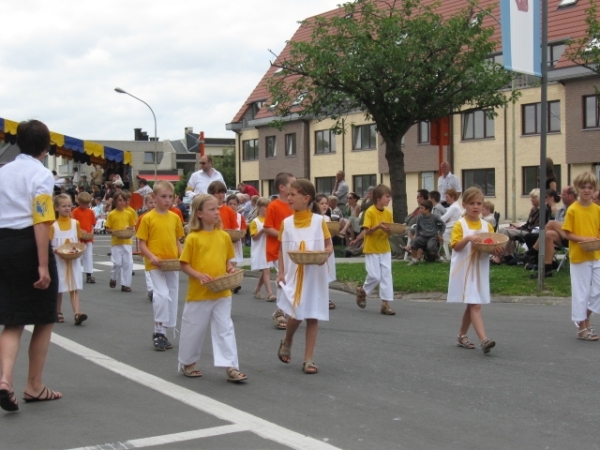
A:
x: 277, y: 211
x: 228, y: 218
x: 139, y: 219
x: 86, y: 219
x: 176, y: 211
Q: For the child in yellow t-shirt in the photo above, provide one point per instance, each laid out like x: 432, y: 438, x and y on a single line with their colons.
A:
x: 159, y: 233
x: 149, y: 206
x: 377, y: 250
x: 582, y: 223
x: 207, y: 253
x: 120, y: 251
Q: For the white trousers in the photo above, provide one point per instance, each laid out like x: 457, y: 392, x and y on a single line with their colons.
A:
x: 194, y: 323
x: 87, y: 259
x: 585, y: 289
x: 165, y: 297
x: 122, y: 260
x: 149, y: 286
x: 379, y: 272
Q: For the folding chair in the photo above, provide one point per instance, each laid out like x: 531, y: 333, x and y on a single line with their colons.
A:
x: 565, y: 257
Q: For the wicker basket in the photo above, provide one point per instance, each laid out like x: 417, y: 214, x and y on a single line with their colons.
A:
x: 235, y: 235
x: 308, y: 257
x: 590, y: 246
x: 499, y: 239
x: 395, y: 228
x: 87, y: 236
x: 123, y: 234
x: 334, y: 228
x: 224, y: 282
x: 169, y: 265
x: 71, y: 251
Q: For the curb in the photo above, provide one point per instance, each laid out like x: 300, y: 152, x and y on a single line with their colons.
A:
x: 439, y: 296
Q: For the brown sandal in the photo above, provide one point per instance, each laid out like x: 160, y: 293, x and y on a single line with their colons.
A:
x: 44, y: 396
x: 80, y: 318
x: 387, y: 311
x: 285, y: 351
x: 125, y: 289
x: 309, y: 367
x: 61, y: 318
x: 235, y: 376
x: 361, y: 298
x: 280, y: 320
x: 463, y: 341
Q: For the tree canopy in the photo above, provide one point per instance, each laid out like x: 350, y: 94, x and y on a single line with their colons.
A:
x: 398, y: 62
x: 586, y: 51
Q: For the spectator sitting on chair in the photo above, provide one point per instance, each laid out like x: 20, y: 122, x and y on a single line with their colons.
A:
x: 554, y: 233
x: 552, y: 198
x: 435, y: 198
x: 524, y: 232
x: 428, y: 233
x: 144, y: 188
x: 487, y: 211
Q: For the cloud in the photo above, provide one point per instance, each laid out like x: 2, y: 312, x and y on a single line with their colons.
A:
x: 194, y: 63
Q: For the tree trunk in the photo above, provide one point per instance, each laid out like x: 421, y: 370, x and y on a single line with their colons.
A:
x: 395, y: 159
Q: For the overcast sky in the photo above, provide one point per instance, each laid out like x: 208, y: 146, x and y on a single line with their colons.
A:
x: 193, y: 62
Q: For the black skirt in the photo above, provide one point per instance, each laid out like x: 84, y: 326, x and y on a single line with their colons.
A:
x: 20, y: 302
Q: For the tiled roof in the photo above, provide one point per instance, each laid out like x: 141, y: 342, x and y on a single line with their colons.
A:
x: 563, y: 22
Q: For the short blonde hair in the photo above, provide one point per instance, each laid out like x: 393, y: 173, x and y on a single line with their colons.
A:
x: 85, y: 198
x: 535, y: 193
x: 164, y: 185
x: 147, y: 198
x: 262, y: 201
x: 585, y: 178
x: 489, y: 205
x: 198, y: 203
x: 471, y: 194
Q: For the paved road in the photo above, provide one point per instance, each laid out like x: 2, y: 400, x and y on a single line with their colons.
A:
x: 384, y: 382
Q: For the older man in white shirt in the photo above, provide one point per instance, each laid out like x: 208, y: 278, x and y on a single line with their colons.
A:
x: 199, y: 181
x: 446, y: 181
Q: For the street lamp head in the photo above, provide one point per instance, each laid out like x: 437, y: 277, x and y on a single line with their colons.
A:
x: 120, y: 91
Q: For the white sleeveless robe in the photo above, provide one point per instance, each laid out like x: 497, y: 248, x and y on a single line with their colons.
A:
x: 331, y: 261
x: 238, y: 246
x: 469, y: 272
x: 71, y: 267
x: 258, y: 251
x: 314, y: 299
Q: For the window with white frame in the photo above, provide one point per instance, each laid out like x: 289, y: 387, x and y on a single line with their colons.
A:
x: 591, y: 112
x: 484, y: 179
x: 531, y: 118
x: 362, y: 182
x: 290, y: 144
x: 271, y: 146
x: 324, y: 141
x: 324, y: 185
x: 477, y: 125
x: 423, y: 132
x: 428, y: 180
x: 364, y: 137
x: 250, y: 149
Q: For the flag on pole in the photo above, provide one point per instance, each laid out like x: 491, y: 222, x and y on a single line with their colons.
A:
x: 521, y: 37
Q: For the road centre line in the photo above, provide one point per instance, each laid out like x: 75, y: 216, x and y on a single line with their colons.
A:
x: 167, y: 438
x: 245, y: 421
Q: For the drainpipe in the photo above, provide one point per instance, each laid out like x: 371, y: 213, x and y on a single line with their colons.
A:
x: 344, y: 145
x: 506, y: 160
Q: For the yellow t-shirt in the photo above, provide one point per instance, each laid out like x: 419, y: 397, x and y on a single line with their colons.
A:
x: 206, y: 252
x: 119, y: 220
x: 254, y: 228
x: 133, y: 212
x: 582, y: 221
x: 161, y: 232
x: 457, y: 231
x: 303, y: 219
x: 377, y: 242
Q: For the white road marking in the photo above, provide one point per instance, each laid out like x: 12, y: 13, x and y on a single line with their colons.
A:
x: 168, y: 438
x: 109, y: 263
x: 246, y: 421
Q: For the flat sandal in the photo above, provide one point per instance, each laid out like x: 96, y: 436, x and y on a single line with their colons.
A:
x: 463, y: 341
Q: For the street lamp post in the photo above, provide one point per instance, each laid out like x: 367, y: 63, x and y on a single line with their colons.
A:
x: 121, y: 91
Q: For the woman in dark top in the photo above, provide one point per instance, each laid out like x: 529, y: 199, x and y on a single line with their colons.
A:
x: 28, y: 278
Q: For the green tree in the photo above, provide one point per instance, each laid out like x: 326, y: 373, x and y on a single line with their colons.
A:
x: 586, y: 50
x: 225, y: 164
x: 181, y: 185
x: 399, y: 62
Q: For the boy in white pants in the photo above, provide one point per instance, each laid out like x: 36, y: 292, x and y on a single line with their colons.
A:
x: 159, y: 233
x: 582, y: 223
x: 120, y: 251
x: 149, y: 206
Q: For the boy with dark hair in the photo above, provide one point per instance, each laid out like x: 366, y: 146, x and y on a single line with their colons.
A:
x: 428, y: 232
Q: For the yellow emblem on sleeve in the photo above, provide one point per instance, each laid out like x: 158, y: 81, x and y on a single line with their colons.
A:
x: 43, y: 210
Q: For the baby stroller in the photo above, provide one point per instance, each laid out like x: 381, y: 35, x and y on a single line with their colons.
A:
x: 99, y: 228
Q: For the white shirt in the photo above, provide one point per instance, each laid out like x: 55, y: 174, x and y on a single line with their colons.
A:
x: 447, y: 182
x: 200, y: 180
x: 143, y: 191
x: 21, y: 181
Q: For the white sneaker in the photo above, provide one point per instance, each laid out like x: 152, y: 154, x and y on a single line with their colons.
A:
x: 413, y: 261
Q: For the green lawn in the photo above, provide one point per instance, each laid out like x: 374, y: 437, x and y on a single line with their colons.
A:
x: 433, y: 277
